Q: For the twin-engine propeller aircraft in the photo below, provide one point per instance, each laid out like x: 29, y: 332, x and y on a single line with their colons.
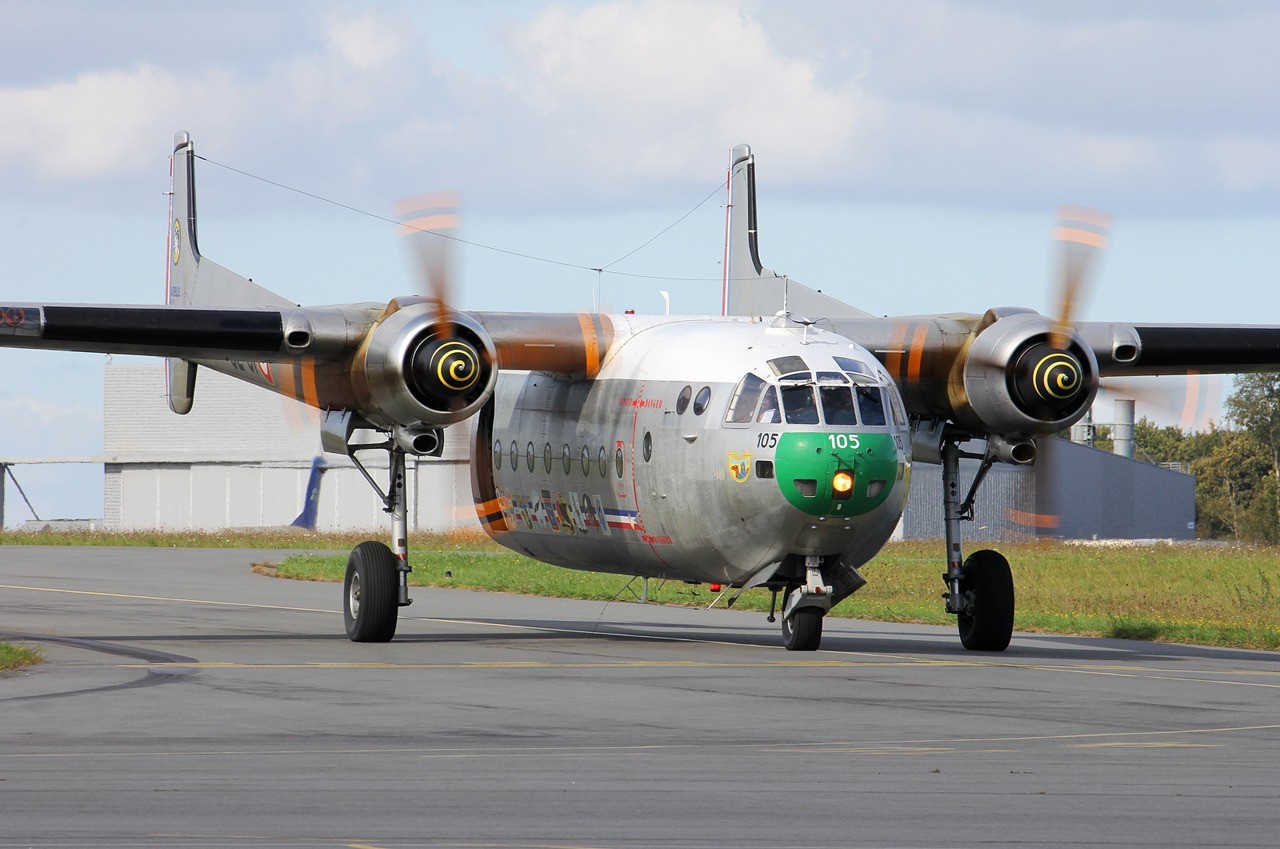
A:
x: 767, y: 447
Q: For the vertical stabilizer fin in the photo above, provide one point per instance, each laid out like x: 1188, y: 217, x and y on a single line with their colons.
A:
x: 192, y: 281
x: 750, y: 288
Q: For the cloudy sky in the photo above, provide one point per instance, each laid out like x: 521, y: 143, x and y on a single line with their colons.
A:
x: 909, y: 155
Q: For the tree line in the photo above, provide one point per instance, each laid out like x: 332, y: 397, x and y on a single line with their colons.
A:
x: 1237, y: 464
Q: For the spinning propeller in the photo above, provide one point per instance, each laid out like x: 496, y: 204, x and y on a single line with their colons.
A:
x: 448, y: 365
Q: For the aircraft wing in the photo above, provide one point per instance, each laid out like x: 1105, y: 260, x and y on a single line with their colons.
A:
x: 1165, y: 349
x: 189, y: 333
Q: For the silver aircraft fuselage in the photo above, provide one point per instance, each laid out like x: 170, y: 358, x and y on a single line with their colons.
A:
x: 698, y: 452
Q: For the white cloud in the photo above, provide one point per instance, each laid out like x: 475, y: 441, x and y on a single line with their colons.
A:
x: 662, y: 85
x: 1246, y: 165
x: 85, y: 128
x: 365, y: 41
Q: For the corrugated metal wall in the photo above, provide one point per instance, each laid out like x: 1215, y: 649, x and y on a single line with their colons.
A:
x: 205, y: 470
x: 1072, y: 492
x: 1005, y: 499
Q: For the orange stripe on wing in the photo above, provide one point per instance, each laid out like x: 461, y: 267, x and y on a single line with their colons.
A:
x: 893, y: 357
x: 309, y: 394
x: 286, y: 383
x: 590, y: 344
x: 917, y: 351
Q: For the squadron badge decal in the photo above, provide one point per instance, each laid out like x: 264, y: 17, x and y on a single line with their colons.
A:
x: 739, y: 465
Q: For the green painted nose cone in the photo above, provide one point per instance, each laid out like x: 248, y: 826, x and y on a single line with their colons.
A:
x: 807, y: 463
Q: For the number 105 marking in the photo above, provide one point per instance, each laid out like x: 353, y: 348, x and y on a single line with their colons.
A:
x: 843, y: 440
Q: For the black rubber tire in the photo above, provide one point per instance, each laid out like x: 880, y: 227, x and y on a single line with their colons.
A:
x: 803, y: 631
x: 370, y: 594
x: 986, y: 573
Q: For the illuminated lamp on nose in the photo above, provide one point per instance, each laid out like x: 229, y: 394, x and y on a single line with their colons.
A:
x: 842, y: 485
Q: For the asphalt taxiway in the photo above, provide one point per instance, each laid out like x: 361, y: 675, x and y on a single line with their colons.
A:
x: 189, y: 702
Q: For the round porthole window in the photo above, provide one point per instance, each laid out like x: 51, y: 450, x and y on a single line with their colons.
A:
x: 566, y: 458
x: 586, y: 460
x: 646, y: 446
x: 603, y: 471
x: 546, y: 458
x: 528, y: 455
x: 497, y: 455
x: 700, y: 403
x: 617, y: 461
x: 515, y: 462
x: 682, y: 401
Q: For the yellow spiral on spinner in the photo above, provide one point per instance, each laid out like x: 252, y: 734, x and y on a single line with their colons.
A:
x: 456, y: 366
x: 1057, y: 377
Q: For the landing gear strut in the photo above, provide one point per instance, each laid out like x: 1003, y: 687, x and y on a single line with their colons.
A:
x: 980, y: 588
x: 377, y: 579
x: 827, y: 582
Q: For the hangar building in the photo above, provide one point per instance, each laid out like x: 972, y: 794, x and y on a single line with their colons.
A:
x: 243, y: 458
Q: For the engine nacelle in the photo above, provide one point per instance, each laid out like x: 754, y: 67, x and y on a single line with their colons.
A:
x: 419, y: 367
x: 1021, y: 378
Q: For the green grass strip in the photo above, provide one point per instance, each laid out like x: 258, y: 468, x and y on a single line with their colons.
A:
x: 1218, y: 596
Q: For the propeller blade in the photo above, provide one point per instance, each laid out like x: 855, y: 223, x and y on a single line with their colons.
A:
x: 1190, y: 402
x: 1083, y: 234
x: 429, y: 224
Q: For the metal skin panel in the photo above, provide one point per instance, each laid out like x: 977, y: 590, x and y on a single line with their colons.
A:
x: 695, y: 508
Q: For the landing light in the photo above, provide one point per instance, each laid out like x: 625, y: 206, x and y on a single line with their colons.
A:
x: 842, y: 484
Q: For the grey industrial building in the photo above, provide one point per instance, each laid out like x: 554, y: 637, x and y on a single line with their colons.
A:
x: 243, y: 457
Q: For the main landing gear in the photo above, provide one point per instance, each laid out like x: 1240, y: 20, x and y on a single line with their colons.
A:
x: 979, y: 588
x: 377, y: 580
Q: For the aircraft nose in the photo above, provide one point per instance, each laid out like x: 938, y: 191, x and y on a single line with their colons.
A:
x: 837, y: 474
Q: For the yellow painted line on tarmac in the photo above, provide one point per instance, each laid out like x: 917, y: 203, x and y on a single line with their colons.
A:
x: 526, y: 664
x: 1042, y: 738
x: 867, y: 660
x: 198, y: 601
x: 1145, y: 745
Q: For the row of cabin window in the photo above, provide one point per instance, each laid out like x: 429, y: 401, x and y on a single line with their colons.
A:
x: 843, y: 401
x: 566, y: 458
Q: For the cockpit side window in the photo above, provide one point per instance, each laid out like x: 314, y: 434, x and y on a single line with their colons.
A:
x: 799, y: 404
x: 743, y: 405
x: 895, y: 404
x: 871, y: 405
x: 769, y: 407
x: 837, y: 405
